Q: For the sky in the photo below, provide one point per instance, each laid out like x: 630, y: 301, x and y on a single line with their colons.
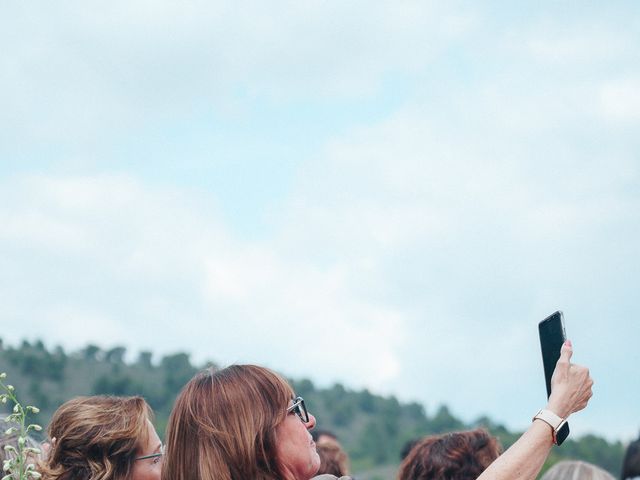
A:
x: 389, y: 195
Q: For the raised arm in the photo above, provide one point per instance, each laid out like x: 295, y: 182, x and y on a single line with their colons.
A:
x: 570, y: 392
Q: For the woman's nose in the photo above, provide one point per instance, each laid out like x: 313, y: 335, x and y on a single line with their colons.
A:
x: 311, y: 423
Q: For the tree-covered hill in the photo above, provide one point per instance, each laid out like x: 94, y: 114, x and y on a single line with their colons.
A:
x: 372, y: 428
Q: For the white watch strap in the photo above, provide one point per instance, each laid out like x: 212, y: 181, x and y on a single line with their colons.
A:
x: 549, y: 417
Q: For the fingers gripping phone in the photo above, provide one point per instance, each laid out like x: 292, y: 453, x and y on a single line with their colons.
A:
x: 552, y: 336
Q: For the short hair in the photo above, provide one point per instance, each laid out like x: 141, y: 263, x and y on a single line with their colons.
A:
x: 407, y: 447
x: 223, y: 425
x: 316, y: 433
x: 576, y: 470
x: 451, y: 456
x: 631, y: 463
x: 96, y: 438
x: 333, y: 459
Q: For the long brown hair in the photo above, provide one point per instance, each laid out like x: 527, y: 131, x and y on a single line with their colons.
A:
x: 222, y: 426
x: 96, y: 438
x: 452, y: 456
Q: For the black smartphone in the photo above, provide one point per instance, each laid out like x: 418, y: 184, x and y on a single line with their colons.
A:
x: 552, y: 336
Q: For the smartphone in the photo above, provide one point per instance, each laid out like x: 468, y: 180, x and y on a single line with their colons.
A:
x: 552, y: 336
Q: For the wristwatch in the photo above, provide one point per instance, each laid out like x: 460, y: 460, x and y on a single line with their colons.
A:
x: 551, y: 419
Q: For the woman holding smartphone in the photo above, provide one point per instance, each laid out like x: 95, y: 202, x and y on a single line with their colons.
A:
x: 245, y: 422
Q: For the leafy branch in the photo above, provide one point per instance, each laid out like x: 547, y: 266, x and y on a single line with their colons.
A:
x: 17, y: 465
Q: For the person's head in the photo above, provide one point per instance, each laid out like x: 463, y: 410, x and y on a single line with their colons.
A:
x: 407, y: 447
x: 575, y: 470
x: 333, y: 459
x: 103, y: 438
x: 451, y: 456
x: 319, y: 435
x: 631, y: 464
x: 241, y: 422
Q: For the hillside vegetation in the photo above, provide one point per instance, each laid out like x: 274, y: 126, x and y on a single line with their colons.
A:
x: 372, y: 428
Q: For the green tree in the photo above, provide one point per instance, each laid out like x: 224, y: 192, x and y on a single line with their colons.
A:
x: 444, y: 421
x: 144, y: 360
x: 116, y: 355
x: 177, y: 370
x: 91, y: 353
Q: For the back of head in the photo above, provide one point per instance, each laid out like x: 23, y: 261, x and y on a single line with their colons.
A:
x: 222, y: 426
x: 576, y: 470
x: 407, y: 447
x: 318, y: 434
x: 452, y: 456
x: 96, y: 438
x: 333, y: 459
x: 631, y: 464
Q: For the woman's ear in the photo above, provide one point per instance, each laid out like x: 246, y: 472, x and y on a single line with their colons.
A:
x: 46, y: 447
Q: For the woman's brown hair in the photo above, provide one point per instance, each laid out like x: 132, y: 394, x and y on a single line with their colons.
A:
x: 333, y: 459
x: 452, y: 456
x: 96, y: 438
x: 222, y: 426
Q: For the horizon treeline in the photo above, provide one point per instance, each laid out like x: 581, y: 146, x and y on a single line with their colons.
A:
x: 372, y: 428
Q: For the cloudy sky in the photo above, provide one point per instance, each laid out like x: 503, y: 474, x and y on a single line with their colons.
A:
x: 386, y: 194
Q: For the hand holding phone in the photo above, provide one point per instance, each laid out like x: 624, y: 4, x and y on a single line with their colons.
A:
x: 552, y: 337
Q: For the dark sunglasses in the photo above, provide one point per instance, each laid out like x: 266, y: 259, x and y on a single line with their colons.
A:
x: 299, y: 409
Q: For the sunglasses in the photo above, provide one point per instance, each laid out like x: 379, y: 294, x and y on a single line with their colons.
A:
x: 299, y: 409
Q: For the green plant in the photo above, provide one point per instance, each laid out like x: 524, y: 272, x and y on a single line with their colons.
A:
x: 17, y: 465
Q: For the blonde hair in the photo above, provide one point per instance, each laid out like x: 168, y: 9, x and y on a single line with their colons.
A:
x: 222, y: 426
x: 96, y: 438
x: 576, y: 470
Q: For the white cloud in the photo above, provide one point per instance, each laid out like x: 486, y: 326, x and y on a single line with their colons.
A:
x: 77, y: 74
x: 620, y: 100
x: 76, y: 328
x: 310, y: 318
x: 478, y: 235
x: 148, y: 258
x: 578, y: 45
x: 413, y: 254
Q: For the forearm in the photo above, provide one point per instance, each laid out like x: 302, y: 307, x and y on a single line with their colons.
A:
x: 524, y: 459
x: 570, y: 392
